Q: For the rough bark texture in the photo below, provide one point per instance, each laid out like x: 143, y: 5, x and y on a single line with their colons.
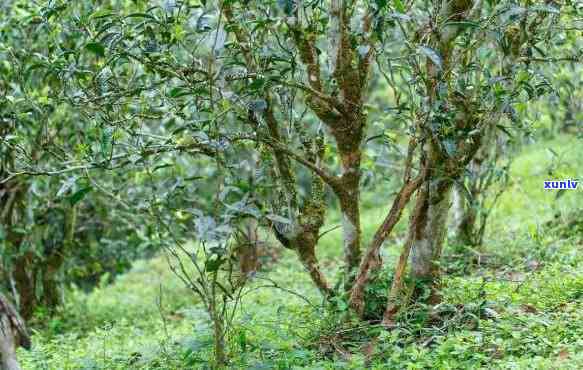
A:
x: 429, y: 232
x: 307, y: 254
x: 351, y: 230
x: 349, y: 140
x: 13, y: 334
x: 434, y: 198
x: 342, y: 111
x: 308, y: 214
x: 7, y: 346
x: 338, y: 103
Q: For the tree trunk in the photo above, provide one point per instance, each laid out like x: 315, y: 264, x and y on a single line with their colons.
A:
x: 372, y: 260
x: 247, y: 248
x: 13, y: 334
x: 306, y: 249
x: 351, y: 231
x: 393, y: 299
x: 51, y: 289
x: 24, y: 281
x: 349, y: 197
x: 7, y: 345
x: 220, y: 357
x: 464, y: 217
x: 429, y: 233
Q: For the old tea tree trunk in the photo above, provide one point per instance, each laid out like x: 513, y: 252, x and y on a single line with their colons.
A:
x: 428, y: 229
x: 13, y: 334
x: 442, y: 165
x: 335, y: 96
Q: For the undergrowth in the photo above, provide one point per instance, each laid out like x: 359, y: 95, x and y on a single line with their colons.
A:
x: 517, y: 303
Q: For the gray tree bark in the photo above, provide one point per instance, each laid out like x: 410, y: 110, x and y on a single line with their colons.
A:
x: 13, y: 334
x: 430, y: 234
x: 7, y: 345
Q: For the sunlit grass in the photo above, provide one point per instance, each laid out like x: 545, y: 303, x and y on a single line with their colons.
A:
x: 147, y: 319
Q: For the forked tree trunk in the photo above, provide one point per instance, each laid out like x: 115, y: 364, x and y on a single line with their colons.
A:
x: 429, y: 233
x: 372, y: 260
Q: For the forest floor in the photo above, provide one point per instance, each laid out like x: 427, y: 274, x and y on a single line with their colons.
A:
x: 520, y: 307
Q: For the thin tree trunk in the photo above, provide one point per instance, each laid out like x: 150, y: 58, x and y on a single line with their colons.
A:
x: 24, y: 281
x: 219, y: 342
x: 393, y: 303
x: 458, y: 207
x: 51, y: 295
x: 464, y: 217
x: 372, y: 259
x: 214, y: 311
x: 7, y: 345
x: 247, y: 248
x: 306, y: 249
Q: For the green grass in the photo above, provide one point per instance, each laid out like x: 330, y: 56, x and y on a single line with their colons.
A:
x: 524, y: 310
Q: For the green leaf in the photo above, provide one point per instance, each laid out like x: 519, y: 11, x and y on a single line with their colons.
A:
x: 96, y: 48
x: 141, y: 15
x: 49, y: 12
x: 242, y: 341
x: 79, y: 195
x: 381, y: 3
x: 101, y: 14
x: 178, y: 91
x: 504, y: 129
x: 214, y: 264
x: 257, y: 84
x: 398, y: 4
x: 431, y: 54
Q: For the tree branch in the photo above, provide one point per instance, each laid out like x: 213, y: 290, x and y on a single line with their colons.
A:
x: 371, y: 260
